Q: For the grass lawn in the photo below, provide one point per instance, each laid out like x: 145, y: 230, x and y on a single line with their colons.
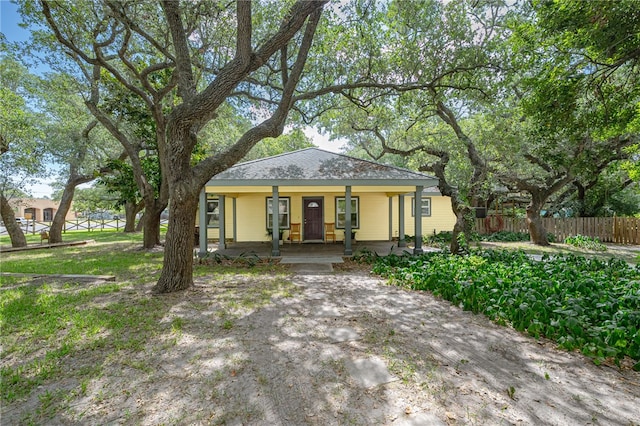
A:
x: 109, y: 253
x: 47, y: 323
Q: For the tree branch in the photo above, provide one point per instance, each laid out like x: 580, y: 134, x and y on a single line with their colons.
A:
x: 186, y: 81
x: 274, y: 125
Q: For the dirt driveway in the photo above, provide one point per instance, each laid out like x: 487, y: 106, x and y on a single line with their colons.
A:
x: 346, y: 349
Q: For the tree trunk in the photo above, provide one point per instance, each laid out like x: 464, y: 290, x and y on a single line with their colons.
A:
x: 462, y: 226
x: 140, y: 224
x: 581, y: 199
x: 57, y: 226
x: 131, y: 209
x: 537, y: 232
x: 151, y: 237
x: 13, y: 229
x: 177, y: 268
x: 151, y: 225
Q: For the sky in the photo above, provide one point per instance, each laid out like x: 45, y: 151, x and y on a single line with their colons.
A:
x: 9, y: 19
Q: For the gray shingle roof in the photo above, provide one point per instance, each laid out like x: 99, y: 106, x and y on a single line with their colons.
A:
x: 314, y: 166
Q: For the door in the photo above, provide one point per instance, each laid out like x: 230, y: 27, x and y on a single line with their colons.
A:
x: 313, y: 228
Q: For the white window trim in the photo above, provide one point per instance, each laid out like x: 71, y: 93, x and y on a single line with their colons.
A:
x: 355, y: 225
x: 287, y: 213
x: 213, y: 200
x: 426, y: 203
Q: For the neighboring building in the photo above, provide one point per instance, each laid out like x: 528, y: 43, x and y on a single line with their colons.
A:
x: 313, y: 188
x: 42, y: 209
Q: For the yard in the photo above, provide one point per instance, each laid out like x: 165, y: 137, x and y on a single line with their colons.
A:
x: 265, y: 345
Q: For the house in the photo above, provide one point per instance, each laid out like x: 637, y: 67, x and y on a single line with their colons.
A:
x: 317, y: 191
x: 38, y: 209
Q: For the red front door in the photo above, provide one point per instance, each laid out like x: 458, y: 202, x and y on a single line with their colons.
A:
x: 313, y: 228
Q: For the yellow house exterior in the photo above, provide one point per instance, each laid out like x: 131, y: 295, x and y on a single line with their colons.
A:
x: 312, y: 188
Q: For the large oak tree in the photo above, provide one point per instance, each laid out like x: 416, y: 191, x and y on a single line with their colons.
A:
x: 185, y: 60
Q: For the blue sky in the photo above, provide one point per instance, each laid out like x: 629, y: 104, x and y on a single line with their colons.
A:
x: 9, y: 19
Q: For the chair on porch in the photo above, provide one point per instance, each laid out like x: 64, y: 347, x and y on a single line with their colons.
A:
x: 329, y: 232
x: 294, y: 233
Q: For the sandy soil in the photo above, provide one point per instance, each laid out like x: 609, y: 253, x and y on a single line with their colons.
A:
x: 341, y: 349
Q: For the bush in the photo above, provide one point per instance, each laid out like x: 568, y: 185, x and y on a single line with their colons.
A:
x: 509, y: 236
x: 506, y: 236
x: 588, y: 243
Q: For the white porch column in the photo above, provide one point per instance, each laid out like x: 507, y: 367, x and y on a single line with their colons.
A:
x: 418, y: 220
x: 401, y: 241
x: 275, y: 224
x: 347, y: 222
x: 202, y: 219
x: 221, y: 228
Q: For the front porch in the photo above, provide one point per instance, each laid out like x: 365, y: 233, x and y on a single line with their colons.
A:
x: 317, y: 196
x: 311, y: 250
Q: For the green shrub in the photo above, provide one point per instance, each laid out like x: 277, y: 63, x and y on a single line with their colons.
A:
x: 506, y: 236
x: 509, y: 236
x: 442, y: 237
x: 588, y: 243
x: 588, y: 304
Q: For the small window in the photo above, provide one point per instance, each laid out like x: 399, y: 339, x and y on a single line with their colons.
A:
x: 341, y: 204
x: 47, y: 214
x: 213, y: 211
x: 426, y: 206
x: 283, y: 210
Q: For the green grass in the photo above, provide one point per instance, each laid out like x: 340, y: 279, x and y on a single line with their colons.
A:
x: 106, y: 235
x: 66, y: 320
x: 113, y: 253
x: 58, y: 336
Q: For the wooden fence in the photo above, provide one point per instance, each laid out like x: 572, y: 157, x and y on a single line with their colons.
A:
x: 619, y: 230
x: 33, y: 227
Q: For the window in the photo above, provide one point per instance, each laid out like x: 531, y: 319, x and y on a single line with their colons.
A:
x: 341, y: 204
x: 47, y: 214
x: 213, y: 211
x: 283, y: 210
x: 426, y: 206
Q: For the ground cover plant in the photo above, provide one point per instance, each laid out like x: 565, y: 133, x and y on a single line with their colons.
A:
x: 444, y: 237
x: 589, y: 243
x: 588, y: 304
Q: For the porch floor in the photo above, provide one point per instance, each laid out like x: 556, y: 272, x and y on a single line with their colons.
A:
x: 312, y: 250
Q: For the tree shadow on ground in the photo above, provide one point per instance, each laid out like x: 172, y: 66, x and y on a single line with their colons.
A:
x: 268, y: 351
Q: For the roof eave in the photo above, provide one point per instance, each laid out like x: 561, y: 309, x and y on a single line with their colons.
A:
x: 323, y: 182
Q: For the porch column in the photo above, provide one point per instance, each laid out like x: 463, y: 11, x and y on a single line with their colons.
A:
x: 347, y: 221
x: 390, y: 218
x: 221, y: 228
x: 401, y: 241
x: 275, y: 223
x: 202, y: 220
x: 418, y: 220
x: 234, y: 217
